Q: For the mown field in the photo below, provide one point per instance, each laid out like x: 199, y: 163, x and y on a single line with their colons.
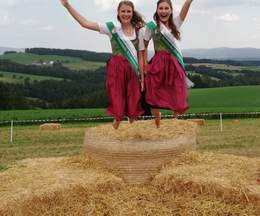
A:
x: 228, y: 67
x: 228, y: 99
x: 239, y: 137
x: 70, y: 62
x: 10, y: 77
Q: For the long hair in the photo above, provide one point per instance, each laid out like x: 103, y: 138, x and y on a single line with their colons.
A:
x: 137, y: 20
x: 172, y: 26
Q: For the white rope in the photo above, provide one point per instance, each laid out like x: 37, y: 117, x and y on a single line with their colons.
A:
x: 102, y: 118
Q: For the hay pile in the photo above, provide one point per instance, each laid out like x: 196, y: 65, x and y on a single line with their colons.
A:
x: 78, y: 186
x: 230, y: 177
x: 139, y: 150
x: 50, y: 126
x: 145, y: 130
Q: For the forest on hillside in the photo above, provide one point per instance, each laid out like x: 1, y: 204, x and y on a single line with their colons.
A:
x: 86, y: 89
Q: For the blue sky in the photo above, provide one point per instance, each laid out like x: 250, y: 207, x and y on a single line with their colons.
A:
x: 45, y: 23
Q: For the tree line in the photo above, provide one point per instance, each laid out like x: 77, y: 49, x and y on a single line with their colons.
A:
x: 86, y: 89
x: 83, y: 54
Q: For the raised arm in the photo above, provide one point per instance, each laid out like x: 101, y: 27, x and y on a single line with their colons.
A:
x: 141, y: 67
x: 80, y: 19
x: 185, y: 9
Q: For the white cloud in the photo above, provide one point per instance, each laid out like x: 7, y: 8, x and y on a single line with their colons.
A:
x: 8, y: 3
x: 202, y: 12
x: 108, y: 5
x: 29, y: 22
x: 230, y: 3
x: 229, y: 17
x: 254, y: 37
x: 5, y: 19
x: 47, y: 28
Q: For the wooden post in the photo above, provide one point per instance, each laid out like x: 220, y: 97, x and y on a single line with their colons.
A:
x: 11, y: 134
x: 221, y: 122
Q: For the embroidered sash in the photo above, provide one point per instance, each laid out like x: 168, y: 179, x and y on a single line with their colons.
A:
x: 127, y: 47
x: 168, y: 40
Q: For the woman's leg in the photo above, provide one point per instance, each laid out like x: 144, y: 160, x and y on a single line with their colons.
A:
x: 116, y: 124
x: 175, y: 114
x: 157, y: 116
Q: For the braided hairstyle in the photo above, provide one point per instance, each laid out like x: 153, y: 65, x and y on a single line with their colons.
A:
x: 137, y: 20
x: 172, y: 26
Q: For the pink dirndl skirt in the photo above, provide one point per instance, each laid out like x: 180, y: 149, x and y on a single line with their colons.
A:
x: 165, y: 83
x: 123, y: 89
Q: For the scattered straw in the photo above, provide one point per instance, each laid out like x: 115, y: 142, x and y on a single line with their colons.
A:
x: 193, y: 184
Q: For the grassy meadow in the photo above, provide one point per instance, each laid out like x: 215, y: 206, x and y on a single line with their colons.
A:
x: 50, y: 114
x: 228, y: 99
x: 11, y: 77
x: 228, y: 67
x: 239, y: 137
x: 70, y: 62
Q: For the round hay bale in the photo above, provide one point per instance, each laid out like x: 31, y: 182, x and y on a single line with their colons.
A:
x: 50, y: 126
x: 199, y: 122
x: 137, y: 151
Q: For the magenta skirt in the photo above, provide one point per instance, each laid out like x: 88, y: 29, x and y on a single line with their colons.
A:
x: 165, y: 83
x: 123, y: 89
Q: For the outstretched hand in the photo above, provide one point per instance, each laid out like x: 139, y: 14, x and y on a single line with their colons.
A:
x: 64, y: 2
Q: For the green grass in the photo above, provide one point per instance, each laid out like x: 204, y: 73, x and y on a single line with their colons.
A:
x: 228, y: 67
x: 70, y: 62
x: 11, y: 77
x: 50, y: 114
x: 30, y: 142
x: 228, y: 99
x: 239, y: 137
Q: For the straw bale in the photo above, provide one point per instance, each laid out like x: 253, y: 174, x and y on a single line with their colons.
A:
x: 50, y: 126
x: 139, y: 150
x: 199, y: 122
x: 229, y: 177
x: 79, y: 186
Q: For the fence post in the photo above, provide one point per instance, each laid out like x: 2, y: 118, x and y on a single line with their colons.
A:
x: 11, y: 135
x: 221, y: 122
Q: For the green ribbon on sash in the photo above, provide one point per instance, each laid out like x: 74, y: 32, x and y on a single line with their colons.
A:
x: 125, y: 50
x: 174, y: 51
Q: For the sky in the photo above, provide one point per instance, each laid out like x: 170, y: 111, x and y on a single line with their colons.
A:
x: 46, y: 23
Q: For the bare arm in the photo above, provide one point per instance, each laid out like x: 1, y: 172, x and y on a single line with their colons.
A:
x: 145, y: 56
x: 141, y: 67
x: 80, y: 19
x: 185, y: 9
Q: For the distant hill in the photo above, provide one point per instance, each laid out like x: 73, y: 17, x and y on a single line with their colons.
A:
x: 240, y: 54
x: 4, y: 49
x: 221, y: 53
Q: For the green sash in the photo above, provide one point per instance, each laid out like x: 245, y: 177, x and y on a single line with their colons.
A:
x: 125, y: 48
x: 166, y: 41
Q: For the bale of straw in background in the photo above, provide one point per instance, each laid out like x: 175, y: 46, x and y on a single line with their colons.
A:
x: 50, y: 126
x: 139, y: 150
x: 200, y: 122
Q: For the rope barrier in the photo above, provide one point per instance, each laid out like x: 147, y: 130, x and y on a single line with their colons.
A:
x: 107, y: 118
